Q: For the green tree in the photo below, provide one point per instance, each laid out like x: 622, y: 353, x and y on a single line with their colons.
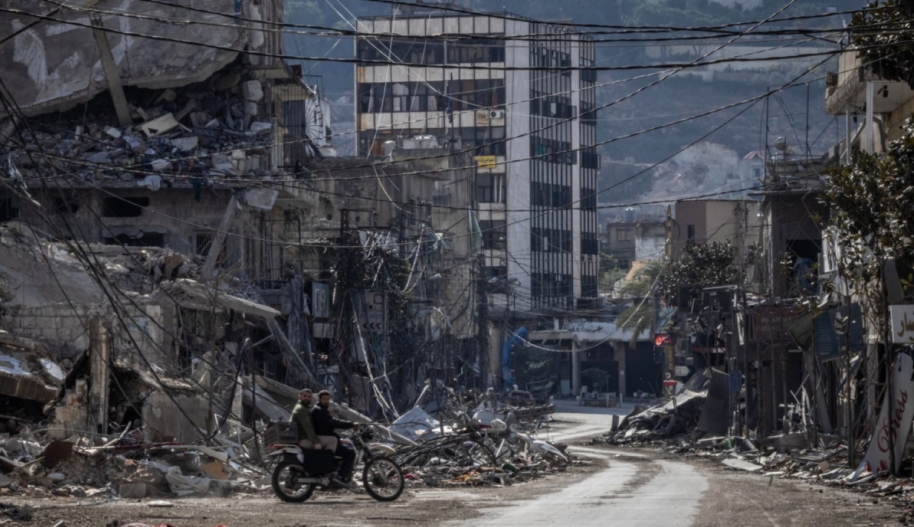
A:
x: 889, y: 54
x: 870, y: 204
x: 700, y: 264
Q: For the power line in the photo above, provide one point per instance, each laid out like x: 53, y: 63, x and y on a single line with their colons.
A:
x: 286, y: 56
x: 505, y: 16
x: 722, y: 29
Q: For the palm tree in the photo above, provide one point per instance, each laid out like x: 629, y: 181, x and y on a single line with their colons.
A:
x: 638, y: 317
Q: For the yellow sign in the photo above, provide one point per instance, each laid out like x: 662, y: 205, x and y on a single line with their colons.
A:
x: 486, y: 161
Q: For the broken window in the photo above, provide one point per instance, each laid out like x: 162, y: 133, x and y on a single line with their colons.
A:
x: 66, y: 205
x: 494, y: 234
x: 202, y: 243
x: 124, y: 207
x: 9, y: 210
x: 141, y: 239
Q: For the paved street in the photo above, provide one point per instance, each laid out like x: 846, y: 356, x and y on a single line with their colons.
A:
x: 635, y: 492
x: 617, y: 488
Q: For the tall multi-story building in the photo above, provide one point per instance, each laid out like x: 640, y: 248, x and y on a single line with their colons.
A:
x: 519, y: 94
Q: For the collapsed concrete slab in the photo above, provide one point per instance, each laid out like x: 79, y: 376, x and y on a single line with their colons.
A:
x: 28, y: 375
x: 54, y: 63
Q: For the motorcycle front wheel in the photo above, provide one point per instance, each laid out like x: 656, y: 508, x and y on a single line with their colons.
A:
x: 286, y: 485
x: 383, y: 479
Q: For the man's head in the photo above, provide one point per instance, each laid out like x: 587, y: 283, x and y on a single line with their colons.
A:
x: 323, y: 398
x: 304, y: 396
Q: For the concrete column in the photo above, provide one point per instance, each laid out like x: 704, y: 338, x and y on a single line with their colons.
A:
x: 620, y: 351
x: 847, y: 135
x: 575, y: 369
x: 868, y: 135
x: 215, y: 247
x: 112, y: 73
x: 98, y: 362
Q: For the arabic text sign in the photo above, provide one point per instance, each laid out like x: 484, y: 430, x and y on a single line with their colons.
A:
x: 769, y: 323
x: 877, y: 455
x: 902, y: 324
x: 487, y: 161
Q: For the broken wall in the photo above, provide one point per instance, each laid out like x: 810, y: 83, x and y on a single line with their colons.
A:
x: 64, y: 326
x: 162, y: 415
x: 53, y: 66
x: 171, y: 218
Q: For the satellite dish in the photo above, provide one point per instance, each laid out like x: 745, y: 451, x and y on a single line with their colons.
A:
x: 781, y: 144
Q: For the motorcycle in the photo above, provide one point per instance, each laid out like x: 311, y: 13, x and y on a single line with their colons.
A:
x: 299, y: 472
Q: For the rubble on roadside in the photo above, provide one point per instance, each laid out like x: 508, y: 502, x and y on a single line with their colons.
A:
x: 675, y: 427
x: 477, y: 442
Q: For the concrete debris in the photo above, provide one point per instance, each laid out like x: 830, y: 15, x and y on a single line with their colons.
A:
x: 160, y: 125
x: 253, y: 90
x: 464, y: 450
x: 178, y: 140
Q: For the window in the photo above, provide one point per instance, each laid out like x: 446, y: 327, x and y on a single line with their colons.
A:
x: 624, y: 235
x: 757, y: 173
x: 589, y: 243
x: 487, y: 141
x: 552, y: 106
x: 66, y: 204
x: 480, y: 50
x: 124, y: 207
x: 8, y: 209
x: 204, y: 240
x: 490, y: 188
x: 589, y: 287
x: 590, y: 158
x: 494, y: 234
x: 497, y: 272
x: 410, y: 51
x: 588, y: 114
x: 553, y: 151
x: 691, y: 232
x: 141, y: 239
x: 589, y: 75
x: 588, y: 199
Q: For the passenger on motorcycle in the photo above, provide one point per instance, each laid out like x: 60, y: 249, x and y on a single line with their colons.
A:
x: 326, y: 425
x: 301, y: 416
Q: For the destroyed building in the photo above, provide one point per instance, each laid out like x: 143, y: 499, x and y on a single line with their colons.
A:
x: 193, y: 206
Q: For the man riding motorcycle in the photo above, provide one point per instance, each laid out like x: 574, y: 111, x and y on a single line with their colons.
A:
x: 301, y: 416
x: 326, y: 425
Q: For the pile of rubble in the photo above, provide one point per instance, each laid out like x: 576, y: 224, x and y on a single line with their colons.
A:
x: 683, y: 415
x: 483, y: 442
x: 126, y: 467
x: 216, y: 128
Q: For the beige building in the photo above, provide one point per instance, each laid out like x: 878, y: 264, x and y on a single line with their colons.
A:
x: 707, y: 221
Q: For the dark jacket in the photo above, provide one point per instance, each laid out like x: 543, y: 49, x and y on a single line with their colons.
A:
x: 325, y: 424
x: 301, y: 416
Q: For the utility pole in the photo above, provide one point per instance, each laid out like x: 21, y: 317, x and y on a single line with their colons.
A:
x: 482, y: 319
x: 668, y: 351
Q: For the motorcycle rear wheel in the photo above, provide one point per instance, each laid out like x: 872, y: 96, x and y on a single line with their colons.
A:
x: 383, y: 479
x: 284, y: 479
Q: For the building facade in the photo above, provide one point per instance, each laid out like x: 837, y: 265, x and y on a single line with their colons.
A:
x: 709, y: 221
x: 525, y: 109
x: 628, y: 241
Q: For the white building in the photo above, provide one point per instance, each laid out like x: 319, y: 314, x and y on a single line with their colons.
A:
x: 528, y: 121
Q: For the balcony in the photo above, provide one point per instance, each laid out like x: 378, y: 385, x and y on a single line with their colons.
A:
x: 847, y: 88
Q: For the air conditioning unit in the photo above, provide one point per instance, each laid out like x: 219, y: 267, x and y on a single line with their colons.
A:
x: 497, y: 114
